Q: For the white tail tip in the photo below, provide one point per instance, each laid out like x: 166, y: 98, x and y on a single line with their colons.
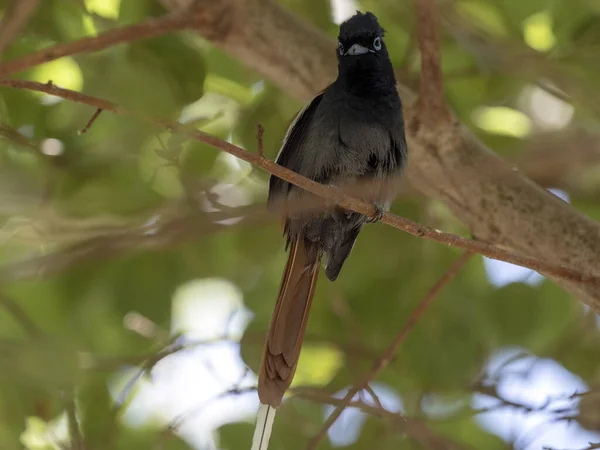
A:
x: 264, y: 426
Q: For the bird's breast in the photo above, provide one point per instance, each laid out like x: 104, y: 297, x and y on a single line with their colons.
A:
x: 359, y: 141
x: 351, y: 135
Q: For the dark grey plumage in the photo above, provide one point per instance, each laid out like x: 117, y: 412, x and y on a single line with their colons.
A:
x: 352, y: 131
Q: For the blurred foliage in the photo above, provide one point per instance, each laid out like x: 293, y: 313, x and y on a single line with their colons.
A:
x: 122, y: 176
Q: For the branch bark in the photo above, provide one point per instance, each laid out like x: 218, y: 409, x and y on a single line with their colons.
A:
x: 446, y: 161
x: 432, y: 104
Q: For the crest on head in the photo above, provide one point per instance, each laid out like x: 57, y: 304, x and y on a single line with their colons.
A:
x: 361, y: 34
x: 361, y: 25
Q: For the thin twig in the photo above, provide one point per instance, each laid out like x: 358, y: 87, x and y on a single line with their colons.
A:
x: 14, y: 20
x: 374, y: 396
x: 329, y: 193
x: 147, y: 367
x: 387, y: 355
x: 110, y: 363
x: 415, y: 428
x: 548, y: 405
x: 176, y: 423
x: 591, y: 446
x: 171, y: 348
x: 91, y: 121
x: 140, y: 31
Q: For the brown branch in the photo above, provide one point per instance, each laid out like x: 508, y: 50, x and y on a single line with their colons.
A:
x: 260, y: 130
x: 329, y: 193
x: 431, y: 103
x: 140, y: 31
x: 496, y: 202
x: 374, y: 396
x: 14, y: 20
x: 383, y: 361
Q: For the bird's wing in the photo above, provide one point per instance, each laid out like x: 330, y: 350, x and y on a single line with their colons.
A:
x: 399, y: 146
x: 289, y: 154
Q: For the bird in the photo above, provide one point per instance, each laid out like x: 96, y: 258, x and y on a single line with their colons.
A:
x: 351, y: 132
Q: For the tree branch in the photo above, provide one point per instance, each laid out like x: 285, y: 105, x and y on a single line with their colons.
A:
x: 14, y: 20
x: 140, y: 31
x: 383, y: 361
x: 493, y: 199
x: 414, y: 428
x: 329, y: 193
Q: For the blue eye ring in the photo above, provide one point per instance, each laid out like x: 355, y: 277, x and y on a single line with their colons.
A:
x: 377, y: 43
x: 340, y: 48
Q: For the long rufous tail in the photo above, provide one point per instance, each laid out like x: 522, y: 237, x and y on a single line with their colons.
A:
x: 288, y: 323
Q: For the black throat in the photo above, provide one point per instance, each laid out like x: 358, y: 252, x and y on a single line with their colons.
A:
x: 367, y: 75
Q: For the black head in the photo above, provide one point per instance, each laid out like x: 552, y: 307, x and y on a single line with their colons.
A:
x: 363, y: 61
x: 360, y: 35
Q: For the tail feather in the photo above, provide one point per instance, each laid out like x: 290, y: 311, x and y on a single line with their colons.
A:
x: 264, y: 426
x: 288, y: 323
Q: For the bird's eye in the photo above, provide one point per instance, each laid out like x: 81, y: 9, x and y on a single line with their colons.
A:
x: 377, y: 43
x: 340, y: 48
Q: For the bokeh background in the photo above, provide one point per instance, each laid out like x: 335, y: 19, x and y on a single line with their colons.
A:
x: 124, y: 324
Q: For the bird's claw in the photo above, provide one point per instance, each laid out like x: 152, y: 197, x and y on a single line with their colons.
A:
x: 378, y: 214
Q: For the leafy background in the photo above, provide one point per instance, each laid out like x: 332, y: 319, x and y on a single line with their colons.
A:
x: 492, y: 365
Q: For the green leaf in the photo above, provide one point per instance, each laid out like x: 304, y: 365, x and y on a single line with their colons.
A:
x: 133, y: 11
x: 59, y: 21
x: 177, y: 61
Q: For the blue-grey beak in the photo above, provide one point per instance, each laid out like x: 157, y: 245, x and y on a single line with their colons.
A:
x: 358, y: 49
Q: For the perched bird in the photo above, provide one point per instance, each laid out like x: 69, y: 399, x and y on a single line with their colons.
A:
x: 351, y: 132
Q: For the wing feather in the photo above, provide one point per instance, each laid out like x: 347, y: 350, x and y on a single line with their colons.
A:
x: 289, y: 152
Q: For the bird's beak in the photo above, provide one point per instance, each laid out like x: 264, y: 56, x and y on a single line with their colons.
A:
x: 357, y: 49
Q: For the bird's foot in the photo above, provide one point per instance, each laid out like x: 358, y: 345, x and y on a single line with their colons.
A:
x: 378, y: 214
